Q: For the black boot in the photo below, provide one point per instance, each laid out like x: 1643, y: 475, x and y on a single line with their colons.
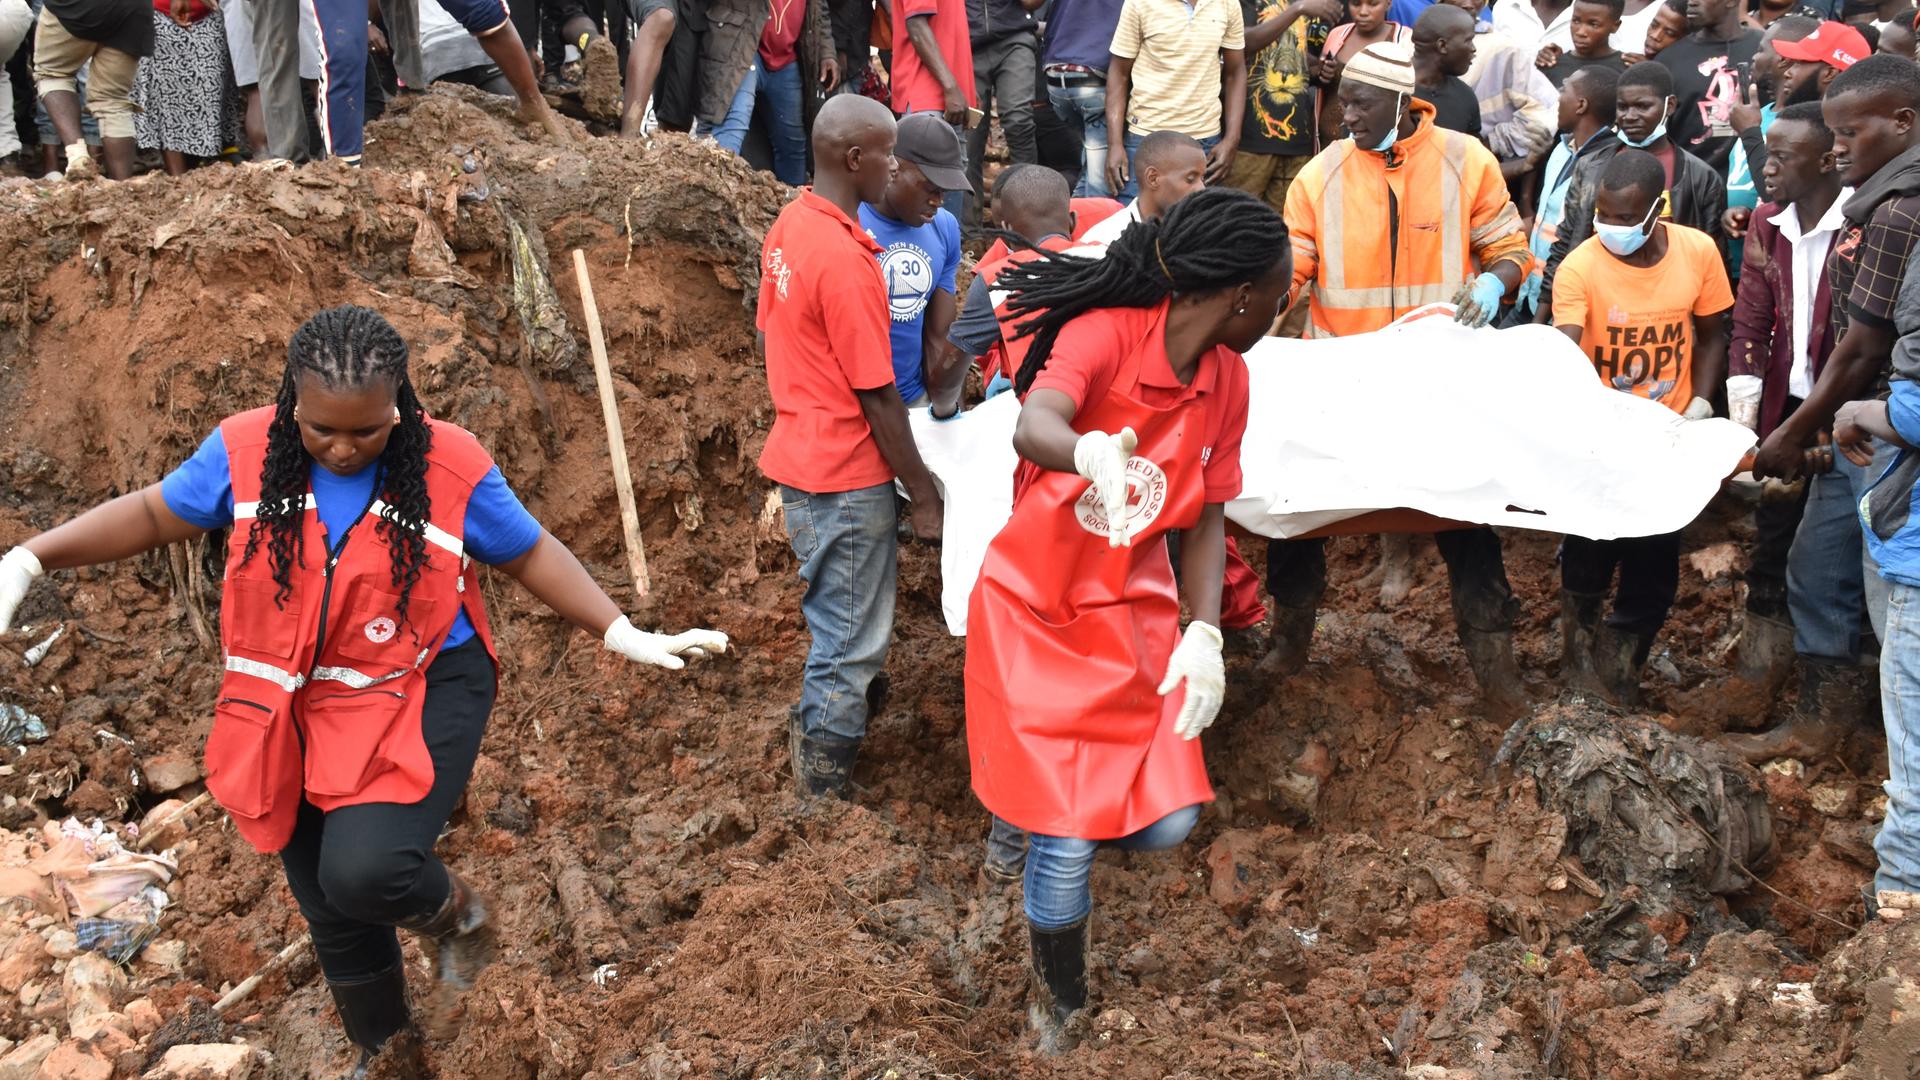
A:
x: 823, y: 765
x: 1834, y: 700
x: 1579, y: 626
x: 1618, y: 658
x: 1490, y: 655
x: 374, y: 1013
x: 1763, y: 657
x: 458, y: 939
x: 1057, y: 1009
x: 1291, y: 641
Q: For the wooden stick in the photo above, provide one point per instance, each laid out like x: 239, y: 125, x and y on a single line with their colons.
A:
x: 616, y: 442
x: 239, y: 993
x: 161, y: 826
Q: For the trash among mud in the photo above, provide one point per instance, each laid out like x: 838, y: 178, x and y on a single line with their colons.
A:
x: 1677, y: 817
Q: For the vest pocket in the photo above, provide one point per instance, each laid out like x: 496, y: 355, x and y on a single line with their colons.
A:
x: 254, y: 625
x: 354, y: 738
x: 249, y: 752
x: 369, y: 630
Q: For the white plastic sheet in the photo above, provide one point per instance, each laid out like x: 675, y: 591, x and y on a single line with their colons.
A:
x: 1497, y: 427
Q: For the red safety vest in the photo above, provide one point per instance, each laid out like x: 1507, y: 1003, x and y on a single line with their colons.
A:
x: 323, y: 691
x: 1068, y: 638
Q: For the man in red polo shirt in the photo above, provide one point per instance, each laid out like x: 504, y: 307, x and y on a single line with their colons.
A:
x: 840, y: 434
x: 933, y: 69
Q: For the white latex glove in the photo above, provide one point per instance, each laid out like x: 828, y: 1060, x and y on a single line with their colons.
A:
x: 18, y: 569
x: 1102, y: 459
x: 1743, y: 400
x: 1196, y: 661
x: 1698, y: 409
x: 663, y: 650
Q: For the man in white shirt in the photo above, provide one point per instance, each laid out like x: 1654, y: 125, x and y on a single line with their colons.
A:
x: 1518, y: 104
x: 1169, y: 166
x: 1536, y: 23
x: 1806, y: 558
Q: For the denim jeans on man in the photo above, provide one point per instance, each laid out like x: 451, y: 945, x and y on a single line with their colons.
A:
x: 1132, y: 143
x: 850, y: 562
x: 1059, y: 867
x: 1898, y: 842
x: 1825, y: 579
x: 780, y: 91
x: 1083, y: 108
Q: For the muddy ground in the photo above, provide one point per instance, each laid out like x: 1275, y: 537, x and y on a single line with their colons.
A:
x: 1369, y: 896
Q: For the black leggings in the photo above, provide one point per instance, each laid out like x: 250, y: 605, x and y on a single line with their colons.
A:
x: 359, y: 870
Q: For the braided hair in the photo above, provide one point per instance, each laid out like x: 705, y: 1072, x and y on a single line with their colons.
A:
x: 345, y: 348
x: 1214, y: 239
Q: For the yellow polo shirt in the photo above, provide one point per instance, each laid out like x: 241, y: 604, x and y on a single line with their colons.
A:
x: 1175, y: 48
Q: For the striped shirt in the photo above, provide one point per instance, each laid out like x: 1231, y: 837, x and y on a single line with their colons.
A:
x: 1175, y: 48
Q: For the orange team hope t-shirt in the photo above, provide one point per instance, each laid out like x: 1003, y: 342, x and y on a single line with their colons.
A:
x: 1637, y: 322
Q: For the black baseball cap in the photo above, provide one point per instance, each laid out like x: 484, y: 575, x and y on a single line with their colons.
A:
x: 927, y: 140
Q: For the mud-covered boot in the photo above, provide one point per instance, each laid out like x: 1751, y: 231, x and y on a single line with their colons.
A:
x: 823, y: 765
x: 458, y: 939
x: 1834, y: 699
x: 1057, y: 1004
x: 1619, y: 656
x: 1579, y: 626
x: 1763, y: 657
x: 1291, y: 641
x: 373, y: 1012
x: 1490, y: 655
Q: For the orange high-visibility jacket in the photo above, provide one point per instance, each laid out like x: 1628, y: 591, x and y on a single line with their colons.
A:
x: 1377, y: 235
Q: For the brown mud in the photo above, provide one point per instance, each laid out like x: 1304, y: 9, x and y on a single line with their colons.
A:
x: 1368, y: 897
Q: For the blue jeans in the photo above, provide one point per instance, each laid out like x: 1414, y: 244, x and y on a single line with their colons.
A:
x: 1132, y: 190
x: 1085, y: 108
x: 1058, y: 867
x: 850, y: 562
x: 1825, y: 584
x: 779, y: 90
x: 1898, y: 843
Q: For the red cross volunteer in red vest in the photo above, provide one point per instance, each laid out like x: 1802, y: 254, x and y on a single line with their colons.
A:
x: 1083, y: 697
x: 359, y: 667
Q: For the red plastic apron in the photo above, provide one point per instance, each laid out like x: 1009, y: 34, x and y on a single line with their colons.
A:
x: 1068, y: 638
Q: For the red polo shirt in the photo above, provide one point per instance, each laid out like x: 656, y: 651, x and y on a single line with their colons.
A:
x: 823, y: 309
x: 1086, y: 359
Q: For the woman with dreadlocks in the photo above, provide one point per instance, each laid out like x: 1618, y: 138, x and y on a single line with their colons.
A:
x: 359, y: 669
x: 1083, y: 697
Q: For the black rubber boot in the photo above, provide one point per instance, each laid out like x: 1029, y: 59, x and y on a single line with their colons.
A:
x: 1058, y: 999
x: 1490, y: 655
x: 1764, y: 657
x: 1834, y: 700
x: 373, y: 1012
x: 459, y: 940
x: 1579, y: 626
x: 1291, y: 641
x: 1618, y: 658
x: 823, y: 765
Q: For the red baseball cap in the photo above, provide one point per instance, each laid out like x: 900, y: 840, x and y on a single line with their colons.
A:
x: 1833, y: 43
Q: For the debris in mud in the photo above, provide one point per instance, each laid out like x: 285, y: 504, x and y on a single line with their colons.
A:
x: 1676, y: 817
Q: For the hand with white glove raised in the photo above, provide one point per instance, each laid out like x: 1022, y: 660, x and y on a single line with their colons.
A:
x: 1196, y: 661
x: 1698, y: 409
x: 1102, y: 459
x: 18, y: 569
x: 663, y: 650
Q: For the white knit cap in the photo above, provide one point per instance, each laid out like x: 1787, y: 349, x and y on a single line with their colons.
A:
x: 1387, y: 65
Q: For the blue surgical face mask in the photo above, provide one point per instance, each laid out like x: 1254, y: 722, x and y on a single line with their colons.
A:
x: 1393, y: 130
x: 1624, y: 240
x: 1659, y: 130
